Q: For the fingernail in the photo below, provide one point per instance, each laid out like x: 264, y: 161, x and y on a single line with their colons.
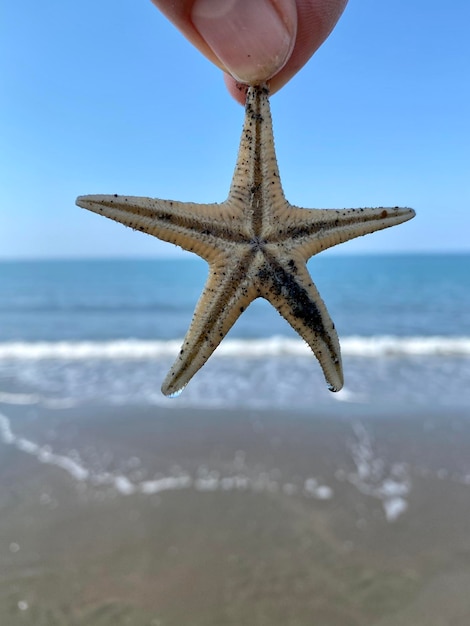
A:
x: 252, y: 38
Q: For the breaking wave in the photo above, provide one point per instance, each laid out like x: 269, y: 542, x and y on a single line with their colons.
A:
x: 133, y: 349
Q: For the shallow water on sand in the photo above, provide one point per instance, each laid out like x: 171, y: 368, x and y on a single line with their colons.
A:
x: 208, y: 517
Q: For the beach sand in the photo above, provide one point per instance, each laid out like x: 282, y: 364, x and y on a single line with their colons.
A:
x: 211, y: 518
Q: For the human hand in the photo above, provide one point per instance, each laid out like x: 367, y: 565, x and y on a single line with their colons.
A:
x: 255, y: 41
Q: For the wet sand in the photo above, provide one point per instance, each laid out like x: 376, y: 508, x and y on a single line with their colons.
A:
x: 213, y: 518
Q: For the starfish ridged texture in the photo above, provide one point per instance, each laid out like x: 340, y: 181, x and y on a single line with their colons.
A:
x: 256, y: 245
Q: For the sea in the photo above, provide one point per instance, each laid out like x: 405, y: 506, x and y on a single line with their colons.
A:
x: 85, y: 332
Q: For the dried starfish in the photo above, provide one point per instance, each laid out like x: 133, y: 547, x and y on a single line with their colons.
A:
x: 256, y: 245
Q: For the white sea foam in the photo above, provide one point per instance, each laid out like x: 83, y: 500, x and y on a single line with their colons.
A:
x: 167, y: 483
x: 42, y: 453
x: 88, y: 350
x: 19, y: 398
x: 313, y: 488
x: 204, y: 481
x: 374, y: 477
x: 394, y: 508
x: 35, y: 398
x: 405, y: 346
x: 134, y: 349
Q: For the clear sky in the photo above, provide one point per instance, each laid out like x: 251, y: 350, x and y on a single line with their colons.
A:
x: 107, y: 97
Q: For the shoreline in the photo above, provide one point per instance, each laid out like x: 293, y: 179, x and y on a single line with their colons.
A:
x: 211, y: 449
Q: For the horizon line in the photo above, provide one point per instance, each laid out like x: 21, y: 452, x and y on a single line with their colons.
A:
x: 184, y: 256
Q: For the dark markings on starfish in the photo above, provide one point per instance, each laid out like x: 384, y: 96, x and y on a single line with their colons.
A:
x: 256, y: 245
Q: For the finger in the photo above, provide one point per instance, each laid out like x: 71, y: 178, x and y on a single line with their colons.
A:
x: 250, y: 40
x: 316, y: 19
x: 253, y: 40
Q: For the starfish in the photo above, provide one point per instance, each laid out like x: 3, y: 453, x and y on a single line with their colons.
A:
x: 257, y: 246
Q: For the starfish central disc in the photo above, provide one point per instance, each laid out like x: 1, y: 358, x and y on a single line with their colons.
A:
x: 257, y: 246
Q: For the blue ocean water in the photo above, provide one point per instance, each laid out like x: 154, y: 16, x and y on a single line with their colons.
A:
x: 107, y: 331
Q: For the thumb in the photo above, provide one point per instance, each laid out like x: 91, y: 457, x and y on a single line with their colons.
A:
x: 251, y: 39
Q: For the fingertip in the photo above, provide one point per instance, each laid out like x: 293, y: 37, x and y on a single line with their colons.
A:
x: 252, y: 40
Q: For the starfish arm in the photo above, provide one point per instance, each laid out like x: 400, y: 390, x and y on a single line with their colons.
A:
x: 287, y: 285
x: 310, y: 231
x: 256, y: 184
x: 227, y: 293
x: 199, y: 228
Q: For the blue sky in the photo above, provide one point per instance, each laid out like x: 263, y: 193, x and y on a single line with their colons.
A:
x: 108, y: 97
